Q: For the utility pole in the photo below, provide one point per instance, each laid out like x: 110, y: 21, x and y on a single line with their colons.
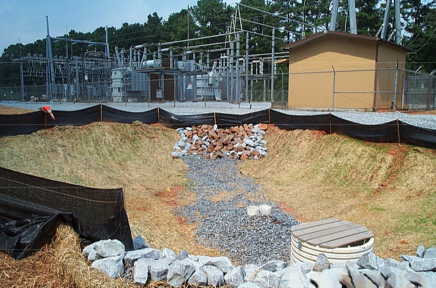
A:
x: 272, y: 66
x: 21, y: 72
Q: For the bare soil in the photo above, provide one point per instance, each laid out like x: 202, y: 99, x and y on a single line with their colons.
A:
x: 388, y: 188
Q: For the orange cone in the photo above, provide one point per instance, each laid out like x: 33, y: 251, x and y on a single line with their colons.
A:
x: 47, y: 109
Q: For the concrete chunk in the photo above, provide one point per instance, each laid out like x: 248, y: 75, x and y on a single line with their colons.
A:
x: 332, y: 278
x: 266, y: 279
x: 199, y: 278
x: 322, y: 263
x: 182, y: 255
x: 275, y: 265
x: 131, y: 256
x: 168, y: 253
x: 235, y: 277
x: 109, y: 248
x: 250, y: 272
x: 180, y: 271
x: 249, y: 285
x: 139, y: 243
x: 430, y: 253
x: 215, y: 276
x: 420, y: 251
x: 140, y: 273
x: 112, y: 266
x: 222, y: 263
x: 159, y: 269
x: 294, y: 277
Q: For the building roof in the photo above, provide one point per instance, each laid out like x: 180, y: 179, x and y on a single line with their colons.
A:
x: 342, y: 34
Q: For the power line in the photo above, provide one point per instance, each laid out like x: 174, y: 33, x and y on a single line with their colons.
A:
x: 428, y: 40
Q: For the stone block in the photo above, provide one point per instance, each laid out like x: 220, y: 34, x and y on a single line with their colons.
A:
x: 321, y: 263
x: 199, y: 278
x: 235, y: 277
x: 140, y: 272
x: 159, y: 269
x: 294, y: 277
x: 267, y: 279
x: 430, y: 253
x: 168, y: 253
x: 112, y: 266
x: 420, y: 251
x: 222, y: 263
x: 139, y: 243
x: 215, y: 277
x: 180, y: 271
x: 109, y: 248
x: 275, y: 265
x: 131, y: 256
x: 250, y: 272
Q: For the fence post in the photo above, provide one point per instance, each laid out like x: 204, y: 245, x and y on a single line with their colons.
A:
x: 398, y: 131
x: 334, y: 83
x: 283, y: 106
x: 269, y: 115
x: 101, y: 111
x: 414, y: 89
x: 429, y: 92
x: 272, y: 66
x: 330, y: 122
x: 214, y: 118
x: 394, y: 104
x: 158, y: 116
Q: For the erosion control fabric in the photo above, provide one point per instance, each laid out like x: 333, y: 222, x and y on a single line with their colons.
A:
x: 31, y: 208
x: 394, y: 131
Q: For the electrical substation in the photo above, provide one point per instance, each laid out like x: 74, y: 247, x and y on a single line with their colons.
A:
x: 221, y: 70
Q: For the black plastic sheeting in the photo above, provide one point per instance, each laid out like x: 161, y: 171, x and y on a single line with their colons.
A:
x: 74, y: 118
x: 417, y: 136
x: 114, y: 115
x: 22, y: 123
x: 229, y: 120
x: 386, y: 132
x: 292, y: 122
x: 177, y: 121
x: 32, y: 207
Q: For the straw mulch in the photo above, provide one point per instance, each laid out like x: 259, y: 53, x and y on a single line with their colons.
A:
x: 73, y: 268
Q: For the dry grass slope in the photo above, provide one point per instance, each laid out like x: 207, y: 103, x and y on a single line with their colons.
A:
x: 389, y: 188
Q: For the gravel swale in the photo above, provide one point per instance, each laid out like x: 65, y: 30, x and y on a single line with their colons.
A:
x: 223, y: 221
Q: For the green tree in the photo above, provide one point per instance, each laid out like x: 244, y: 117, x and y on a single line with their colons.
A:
x: 212, y: 16
x: 420, y: 28
x: 176, y: 26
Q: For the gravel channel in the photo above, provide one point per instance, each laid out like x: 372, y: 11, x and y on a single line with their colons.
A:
x: 220, y: 209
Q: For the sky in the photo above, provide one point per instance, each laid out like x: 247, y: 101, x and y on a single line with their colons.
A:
x: 25, y: 20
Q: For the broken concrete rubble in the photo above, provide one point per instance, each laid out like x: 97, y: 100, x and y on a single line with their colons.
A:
x: 237, y: 142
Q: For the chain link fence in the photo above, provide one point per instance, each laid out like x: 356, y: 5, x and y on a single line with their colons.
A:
x: 370, y: 89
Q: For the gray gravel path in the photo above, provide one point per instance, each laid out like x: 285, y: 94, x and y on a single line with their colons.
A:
x: 224, y: 224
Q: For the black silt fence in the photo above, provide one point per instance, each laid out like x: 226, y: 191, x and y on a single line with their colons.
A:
x: 32, y: 207
x: 114, y: 115
x: 177, y: 121
x: 228, y: 120
x: 293, y: 122
x: 386, y: 132
x: 410, y: 134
